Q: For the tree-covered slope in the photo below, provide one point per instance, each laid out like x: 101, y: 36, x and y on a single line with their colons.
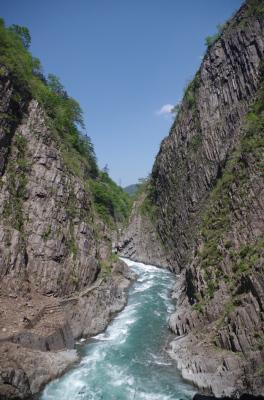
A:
x: 131, y: 189
x: 64, y: 116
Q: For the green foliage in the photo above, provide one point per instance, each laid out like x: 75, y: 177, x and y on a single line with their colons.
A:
x: 16, y: 184
x: 46, y: 234
x: 217, y: 220
x: 65, y: 120
x: 246, y: 257
x: 64, y: 112
x: 106, y: 266
x: 71, y: 245
x: 211, y: 288
x: 111, y: 202
x: 255, y: 8
x: 15, y: 57
x: 189, y: 100
x: 210, y: 40
x: 190, y: 92
x: 74, y: 276
x: 199, y: 307
x: 196, y: 142
x: 70, y: 240
x: 147, y: 207
x: 228, y: 308
x: 113, y: 258
x: 132, y: 190
x: 176, y: 109
x: 56, y: 87
x: 143, y: 186
x: 253, y: 140
x: 23, y: 33
x: 105, y: 269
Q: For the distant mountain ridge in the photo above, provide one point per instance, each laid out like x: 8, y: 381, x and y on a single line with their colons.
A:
x: 131, y: 189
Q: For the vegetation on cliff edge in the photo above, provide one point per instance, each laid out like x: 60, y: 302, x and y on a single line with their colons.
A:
x: 217, y: 221
x: 65, y: 118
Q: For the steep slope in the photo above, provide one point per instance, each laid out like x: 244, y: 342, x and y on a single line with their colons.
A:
x: 206, y: 130
x: 139, y: 240
x: 58, y: 277
x: 207, y: 206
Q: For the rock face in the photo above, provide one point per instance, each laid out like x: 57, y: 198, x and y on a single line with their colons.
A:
x: 40, y: 351
x: 139, y: 240
x: 206, y: 131
x: 46, y: 214
x: 53, y: 287
x: 207, y: 189
x: 24, y: 371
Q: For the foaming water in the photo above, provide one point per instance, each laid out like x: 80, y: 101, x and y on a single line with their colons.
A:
x: 128, y: 361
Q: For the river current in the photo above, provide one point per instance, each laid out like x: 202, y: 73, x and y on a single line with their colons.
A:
x: 128, y: 360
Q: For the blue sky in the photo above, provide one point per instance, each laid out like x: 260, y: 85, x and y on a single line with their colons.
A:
x: 123, y: 60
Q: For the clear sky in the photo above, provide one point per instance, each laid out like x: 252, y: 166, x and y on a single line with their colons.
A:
x: 123, y: 60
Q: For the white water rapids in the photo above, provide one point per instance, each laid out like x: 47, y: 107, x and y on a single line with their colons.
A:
x: 128, y: 361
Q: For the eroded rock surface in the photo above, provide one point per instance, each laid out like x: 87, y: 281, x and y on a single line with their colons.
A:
x: 53, y: 288
x: 139, y: 240
x: 208, y: 193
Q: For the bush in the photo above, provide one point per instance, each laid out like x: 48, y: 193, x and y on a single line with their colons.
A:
x: 66, y: 121
x: 190, y: 92
x: 217, y: 220
x: 210, y: 40
x: 111, y: 202
x: 256, y: 8
x: 64, y: 112
x: 23, y: 34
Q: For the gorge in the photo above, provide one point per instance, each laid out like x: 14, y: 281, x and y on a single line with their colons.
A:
x: 65, y: 223
x: 120, y: 363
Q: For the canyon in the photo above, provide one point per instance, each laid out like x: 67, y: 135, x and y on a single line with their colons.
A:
x: 59, y: 279
x: 200, y: 215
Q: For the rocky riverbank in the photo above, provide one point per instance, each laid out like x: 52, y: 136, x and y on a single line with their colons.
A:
x: 38, y: 335
x: 58, y: 277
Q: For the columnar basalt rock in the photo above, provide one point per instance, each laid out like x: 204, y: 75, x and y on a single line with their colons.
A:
x: 210, y: 201
x: 13, y: 105
x: 207, y: 191
x: 206, y: 130
x: 139, y: 240
x: 54, y: 221
x: 51, y: 250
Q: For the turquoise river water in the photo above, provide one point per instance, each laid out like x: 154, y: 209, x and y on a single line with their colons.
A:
x: 128, y: 360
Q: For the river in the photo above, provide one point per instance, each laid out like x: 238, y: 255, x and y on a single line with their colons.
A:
x: 128, y: 361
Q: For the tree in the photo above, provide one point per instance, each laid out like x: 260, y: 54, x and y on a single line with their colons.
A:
x: 210, y: 40
x: 106, y: 169
x: 23, y: 34
x: 176, y: 109
x: 56, y: 86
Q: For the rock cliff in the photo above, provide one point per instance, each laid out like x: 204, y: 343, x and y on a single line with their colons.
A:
x: 139, y: 240
x: 58, y: 278
x: 207, y: 202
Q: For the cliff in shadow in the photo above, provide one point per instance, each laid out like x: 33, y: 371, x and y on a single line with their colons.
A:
x: 139, y: 240
x: 207, y: 207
